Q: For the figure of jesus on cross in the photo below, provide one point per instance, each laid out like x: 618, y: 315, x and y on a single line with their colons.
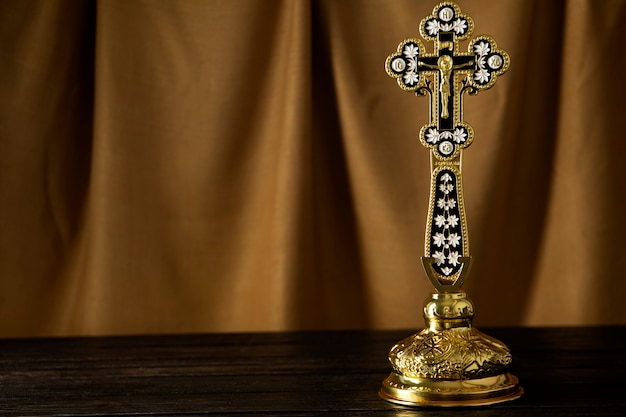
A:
x: 446, y: 259
x: 445, y: 65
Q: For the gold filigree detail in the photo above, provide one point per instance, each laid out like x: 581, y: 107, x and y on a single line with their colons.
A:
x: 460, y: 353
x: 450, y: 348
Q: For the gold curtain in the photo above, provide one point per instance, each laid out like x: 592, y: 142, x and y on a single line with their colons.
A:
x: 210, y: 165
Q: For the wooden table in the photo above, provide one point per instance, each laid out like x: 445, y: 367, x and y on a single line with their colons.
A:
x: 564, y: 371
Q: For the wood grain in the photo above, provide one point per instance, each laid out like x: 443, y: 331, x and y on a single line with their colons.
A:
x: 564, y: 371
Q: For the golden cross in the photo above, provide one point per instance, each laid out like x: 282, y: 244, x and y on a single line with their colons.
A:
x: 446, y: 259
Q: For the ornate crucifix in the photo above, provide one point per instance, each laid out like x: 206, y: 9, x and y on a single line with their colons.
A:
x: 446, y: 259
x: 450, y: 362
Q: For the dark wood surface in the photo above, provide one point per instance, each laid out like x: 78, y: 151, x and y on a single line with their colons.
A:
x: 564, y: 371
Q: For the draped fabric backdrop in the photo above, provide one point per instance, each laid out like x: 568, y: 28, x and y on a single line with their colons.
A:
x: 248, y: 165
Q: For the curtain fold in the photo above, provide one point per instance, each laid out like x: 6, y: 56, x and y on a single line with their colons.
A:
x: 203, y: 166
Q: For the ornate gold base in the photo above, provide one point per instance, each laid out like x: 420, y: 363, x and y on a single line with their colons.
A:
x: 450, y: 363
x: 457, y: 393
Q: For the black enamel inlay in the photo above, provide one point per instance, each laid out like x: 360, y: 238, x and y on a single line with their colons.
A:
x: 446, y: 235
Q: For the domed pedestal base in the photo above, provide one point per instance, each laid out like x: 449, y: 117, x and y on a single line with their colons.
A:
x: 450, y: 363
